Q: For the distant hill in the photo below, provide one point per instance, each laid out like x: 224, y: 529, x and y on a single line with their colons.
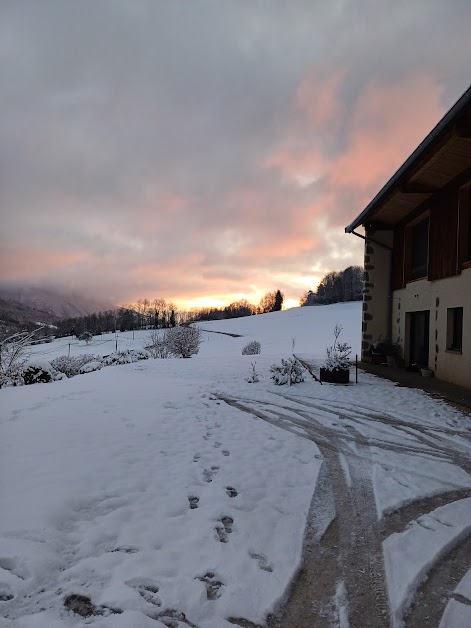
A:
x: 15, y: 312
x: 29, y: 304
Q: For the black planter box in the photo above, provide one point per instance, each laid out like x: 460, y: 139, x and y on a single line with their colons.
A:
x: 337, y: 376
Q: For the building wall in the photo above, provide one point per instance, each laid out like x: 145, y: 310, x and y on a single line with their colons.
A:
x: 437, y: 297
x: 375, y: 294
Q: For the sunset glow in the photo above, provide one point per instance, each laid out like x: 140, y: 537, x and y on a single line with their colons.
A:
x: 226, y: 172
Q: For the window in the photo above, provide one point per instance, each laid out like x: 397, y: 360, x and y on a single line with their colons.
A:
x: 454, y: 329
x: 419, y: 249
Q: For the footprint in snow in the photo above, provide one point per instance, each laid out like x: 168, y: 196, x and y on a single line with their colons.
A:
x: 5, y: 592
x: 196, y: 457
x: 262, y: 561
x: 209, y: 473
x: 217, y: 445
x: 213, y: 586
x: 146, y: 588
x: 193, y: 501
x: 172, y: 618
x: 9, y: 564
x: 225, y: 529
x: 232, y: 492
x: 225, y: 452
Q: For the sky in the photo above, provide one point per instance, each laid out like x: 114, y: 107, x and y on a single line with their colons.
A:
x: 208, y: 151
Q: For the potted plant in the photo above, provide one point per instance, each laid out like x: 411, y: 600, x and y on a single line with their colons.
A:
x: 391, y: 352
x: 336, y: 369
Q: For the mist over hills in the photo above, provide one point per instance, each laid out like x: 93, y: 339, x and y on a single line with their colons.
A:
x: 45, y: 305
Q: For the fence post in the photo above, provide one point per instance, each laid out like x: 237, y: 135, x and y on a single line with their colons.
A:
x: 356, y: 368
x: 116, y: 348
x: 69, y: 351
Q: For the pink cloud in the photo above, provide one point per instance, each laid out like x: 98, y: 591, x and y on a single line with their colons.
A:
x: 385, y: 124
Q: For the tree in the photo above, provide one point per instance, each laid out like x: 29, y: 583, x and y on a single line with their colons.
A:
x: 278, y: 305
x: 87, y: 336
x: 335, y: 287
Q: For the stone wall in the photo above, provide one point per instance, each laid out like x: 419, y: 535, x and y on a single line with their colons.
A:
x: 376, y: 290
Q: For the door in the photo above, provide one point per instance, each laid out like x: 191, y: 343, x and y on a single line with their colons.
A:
x: 419, y: 338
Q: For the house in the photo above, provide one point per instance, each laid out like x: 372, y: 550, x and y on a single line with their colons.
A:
x: 418, y: 253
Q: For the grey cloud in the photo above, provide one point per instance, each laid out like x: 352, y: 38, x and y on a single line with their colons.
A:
x: 110, y: 108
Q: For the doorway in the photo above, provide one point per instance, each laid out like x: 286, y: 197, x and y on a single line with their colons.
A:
x: 419, y: 338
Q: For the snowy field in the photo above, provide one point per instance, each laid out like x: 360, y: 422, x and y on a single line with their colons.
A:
x: 174, y: 493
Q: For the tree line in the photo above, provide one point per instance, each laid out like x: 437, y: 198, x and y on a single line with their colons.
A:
x: 337, y: 287
x: 160, y: 314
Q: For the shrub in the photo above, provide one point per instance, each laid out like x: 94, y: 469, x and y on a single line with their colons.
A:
x: 183, y: 342
x: 157, y: 346
x: 14, y: 352
x: 89, y: 367
x: 72, y: 365
x: 40, y: 372
x: 254, y: 376
x: 125, y: 357
x: 289, y: 372
x: 338, y: 355
x: 252, y: 348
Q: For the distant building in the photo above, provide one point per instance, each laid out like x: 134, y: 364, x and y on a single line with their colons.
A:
x: 418, y: 253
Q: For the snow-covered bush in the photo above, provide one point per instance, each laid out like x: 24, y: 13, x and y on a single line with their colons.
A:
x: 72, y: 365
x: 125, y: 357
x: 89, y: 367
x: 87, y: 336
x: 338, y: 355
x: 254, y: 376
x: 157, y: 345
x: 290, y: 371
x: 14, y: 353
x: 252, y: 348
x: 183, y: 342
x: 40, y: 372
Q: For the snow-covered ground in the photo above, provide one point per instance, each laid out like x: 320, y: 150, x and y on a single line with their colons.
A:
x: 174, y: 493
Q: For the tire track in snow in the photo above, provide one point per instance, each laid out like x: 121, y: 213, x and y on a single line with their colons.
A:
x: 343, y: 540
x: 435, y: 592
x: 349, y: 551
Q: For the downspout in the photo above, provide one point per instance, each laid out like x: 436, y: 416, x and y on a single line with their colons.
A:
x: 389, y: 295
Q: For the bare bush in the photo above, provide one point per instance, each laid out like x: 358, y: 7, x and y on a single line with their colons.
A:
x: 252, y: 348
x: 183, y: 342
x: 14, y: 353
x: 157, y: 345
x: 71, y: 365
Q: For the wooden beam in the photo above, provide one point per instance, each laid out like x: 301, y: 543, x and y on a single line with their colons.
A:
x: 457, y: 182
x: 418, y: 188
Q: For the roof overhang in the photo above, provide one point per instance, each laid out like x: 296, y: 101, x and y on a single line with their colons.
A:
x: 443, y: 157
